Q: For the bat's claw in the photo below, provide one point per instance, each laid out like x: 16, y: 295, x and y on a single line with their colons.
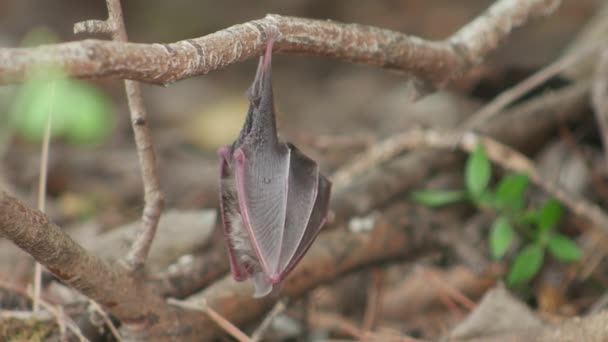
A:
x: 271, y: 34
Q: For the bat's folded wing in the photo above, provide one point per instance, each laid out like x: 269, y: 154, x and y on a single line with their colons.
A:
x: 262, y: 182
x: 307, y: 204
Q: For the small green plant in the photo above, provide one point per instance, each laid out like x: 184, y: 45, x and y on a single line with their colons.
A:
x: 534, y: 226
x: 81, y: 113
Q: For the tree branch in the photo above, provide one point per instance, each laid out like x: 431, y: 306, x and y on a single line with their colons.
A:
x: 431, y: 62
x: 153, y: 198
x: 110, y: 285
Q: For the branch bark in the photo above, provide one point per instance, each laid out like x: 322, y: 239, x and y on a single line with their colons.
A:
x: 153, y: 198
x: 137, y: 307
x: 431, y: 62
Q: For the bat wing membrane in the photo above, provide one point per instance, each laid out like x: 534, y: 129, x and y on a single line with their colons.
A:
x: 262, y: 174
x: 315, y: 222
x: 301, y: 197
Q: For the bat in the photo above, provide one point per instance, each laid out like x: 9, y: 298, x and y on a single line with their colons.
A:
x: 273, y: 198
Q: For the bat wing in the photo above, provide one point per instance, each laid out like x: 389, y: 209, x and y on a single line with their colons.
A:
x: 262, y: 174
x: 283, y: 200
x: 307, y: 205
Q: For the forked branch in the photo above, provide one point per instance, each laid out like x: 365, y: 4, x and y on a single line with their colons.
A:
x: 153, y: 199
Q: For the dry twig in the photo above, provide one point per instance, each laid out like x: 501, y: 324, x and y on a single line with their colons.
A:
x: 44, y: 162
x: 510, y: 95
x: 153, y: 199
x: 258, y: 334
x: 106, y: 319
x: 599, y: 97
x: 214, y: 316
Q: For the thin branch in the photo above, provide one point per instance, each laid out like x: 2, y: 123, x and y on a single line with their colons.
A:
x: 497, y: 152
x: 599, y: 97
x: 62, y: 319
x: 153, y: 199
x: 44, y: 162
x: 431, y: 62
x: 214, y: 316
x: 106, y: 319
x: 510, y: 95
x: 374, y: 294
x: 278, y: 308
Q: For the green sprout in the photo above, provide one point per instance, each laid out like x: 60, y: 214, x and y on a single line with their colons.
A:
x: 536, y: 227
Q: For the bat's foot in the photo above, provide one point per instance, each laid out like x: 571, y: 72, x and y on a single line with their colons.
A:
x: 271, y: 33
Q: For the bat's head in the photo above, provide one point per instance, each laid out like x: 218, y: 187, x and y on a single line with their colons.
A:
x: 260, y: 121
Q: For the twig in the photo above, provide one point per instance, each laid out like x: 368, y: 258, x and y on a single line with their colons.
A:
x: 56, y: 311
x: 44, y: 162
x: 258, y: 334
x: 153, y: 199
x: 430, y: 62
x: 374, y: 293
x: 332, y: 321
x: 510, y: 95
x: 216, y: 317
x: 451, y: 291
x: 106, y: 319
x: 599, y: 97
x: 25, y: 315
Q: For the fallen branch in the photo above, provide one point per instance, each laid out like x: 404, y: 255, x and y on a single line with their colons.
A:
x: 431, y: 62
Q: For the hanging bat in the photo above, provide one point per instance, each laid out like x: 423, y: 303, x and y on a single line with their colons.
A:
x: 273, y: 199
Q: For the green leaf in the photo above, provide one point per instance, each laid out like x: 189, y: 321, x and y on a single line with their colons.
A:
x: 501, y: 236
x: 563, y: 248
x: 526, y: 264
x: 477, y: 172
x: 438, y: 198
x: 510, y: 191
x: 80, y: 112
x: 548, y: 215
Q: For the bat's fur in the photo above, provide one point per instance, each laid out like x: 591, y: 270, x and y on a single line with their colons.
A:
x: 239, y: 238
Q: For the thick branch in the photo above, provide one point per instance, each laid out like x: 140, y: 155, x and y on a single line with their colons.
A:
x: 431, y: 62
x: 110, y: 285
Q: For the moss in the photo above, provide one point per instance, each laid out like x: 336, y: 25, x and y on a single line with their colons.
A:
x: 13, y: 330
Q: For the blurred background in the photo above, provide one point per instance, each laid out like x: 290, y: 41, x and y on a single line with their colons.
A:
x: 329, y: 109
